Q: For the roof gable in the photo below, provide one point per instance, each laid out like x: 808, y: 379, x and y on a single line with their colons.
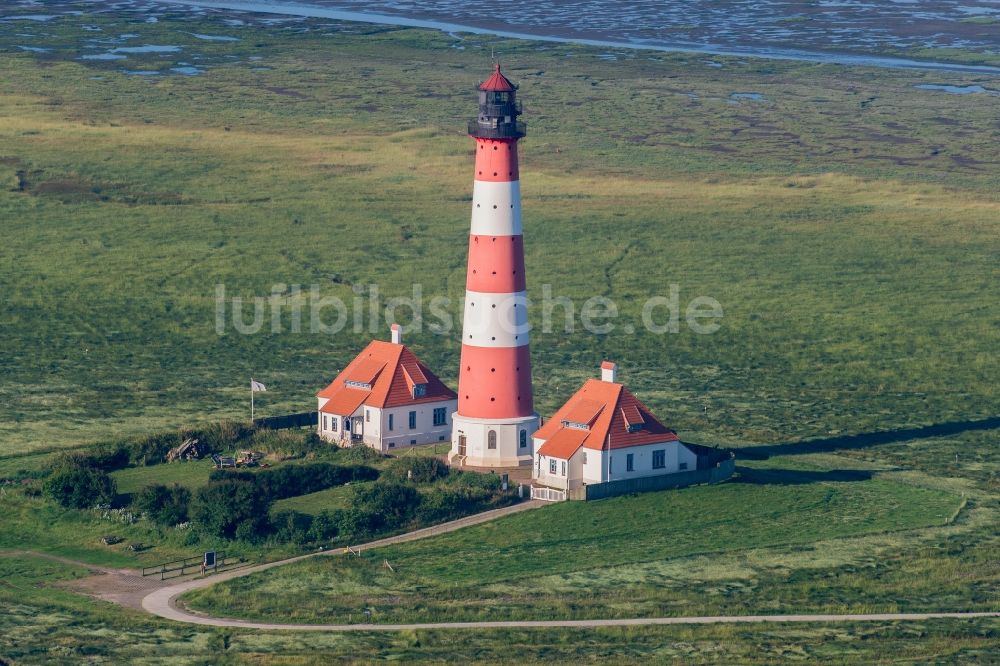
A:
x: 389, y: 371
x: 622, y: 420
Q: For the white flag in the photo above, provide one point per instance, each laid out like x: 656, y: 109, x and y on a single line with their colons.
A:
x: 257, y: 387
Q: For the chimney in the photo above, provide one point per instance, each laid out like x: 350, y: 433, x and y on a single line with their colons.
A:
x: 397, y: 334
x: 609, y: 372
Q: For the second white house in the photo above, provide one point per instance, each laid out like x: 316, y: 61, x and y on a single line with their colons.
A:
x: 386, y: 399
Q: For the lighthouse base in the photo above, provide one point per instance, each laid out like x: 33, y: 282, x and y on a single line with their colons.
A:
x: 473, y: 444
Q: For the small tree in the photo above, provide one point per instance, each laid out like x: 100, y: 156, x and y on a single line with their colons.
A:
x: 394, y: 503
x: 80, y: 487
x: 224, y: 507
x: 164, y: 505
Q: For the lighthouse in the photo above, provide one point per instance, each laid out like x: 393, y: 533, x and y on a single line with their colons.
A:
x: 495, y: 418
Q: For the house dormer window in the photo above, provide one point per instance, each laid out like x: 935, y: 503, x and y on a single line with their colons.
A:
x: 635, y: 427
x: 575, y: 425
x: 358, y: 385
x: 419, y: 390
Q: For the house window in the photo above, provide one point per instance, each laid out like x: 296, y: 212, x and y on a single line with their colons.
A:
x: 659, y: 459
x: 491, y: 439
x: 524, y: 439
x: 630, y: 462
x: 368, y: 416
x: 324, y: 422
x: 419, y: 390
x: 683, y: 466
x: 552, y: 466
x: 390, y: 421
x: 333, y: 423
x: 413, y: 420
x: 564, y: 468
x: 440, y: 416
x: 584, y: 457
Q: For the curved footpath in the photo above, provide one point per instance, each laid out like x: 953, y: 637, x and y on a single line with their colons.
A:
x: 163, y: 601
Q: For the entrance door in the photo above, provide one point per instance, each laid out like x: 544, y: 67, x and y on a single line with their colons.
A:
x: 461, y: 445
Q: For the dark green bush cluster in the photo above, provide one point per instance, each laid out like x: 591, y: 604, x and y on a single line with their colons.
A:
x: 231, y: 508
x: 164, y: 505
x: 237, y: 504
x: 295, y: 480
x: 79, y: 486
x: 392, y: 506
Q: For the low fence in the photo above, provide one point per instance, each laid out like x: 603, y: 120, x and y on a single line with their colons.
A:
x: 286, y: 421
x: 721, y: 471
x: 547, y: 494
x: 190, y: 565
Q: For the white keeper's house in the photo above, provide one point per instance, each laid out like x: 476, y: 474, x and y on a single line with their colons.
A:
x: 386, y: 399
x: 604, y: 433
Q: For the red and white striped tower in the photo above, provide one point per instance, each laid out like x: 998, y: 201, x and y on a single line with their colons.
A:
x: 496, y: 417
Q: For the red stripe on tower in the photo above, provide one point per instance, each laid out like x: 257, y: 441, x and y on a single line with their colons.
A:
x: 495, y: 418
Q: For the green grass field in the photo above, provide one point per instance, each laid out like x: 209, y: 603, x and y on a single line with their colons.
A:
x: 624, y: 557
x: 847, y: 224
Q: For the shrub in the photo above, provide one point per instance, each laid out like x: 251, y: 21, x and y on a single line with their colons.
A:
x: 295, y: 480
x: 80, y: 487
x: 395, y: 503
x: 441, y: 505
x: 360, y: 523
x: 163, y: 505
x: 418, y: 470
x: 291, y: 526
x: 231, y: 508
x: 359, y: 454
x: 326, y: 525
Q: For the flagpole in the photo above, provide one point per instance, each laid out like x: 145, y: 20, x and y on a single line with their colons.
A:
x: 251, y: 400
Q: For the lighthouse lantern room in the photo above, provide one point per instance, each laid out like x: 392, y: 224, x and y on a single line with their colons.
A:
x: 495, y: 419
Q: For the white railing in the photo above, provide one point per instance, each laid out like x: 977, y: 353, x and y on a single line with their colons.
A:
x: 548, y: 494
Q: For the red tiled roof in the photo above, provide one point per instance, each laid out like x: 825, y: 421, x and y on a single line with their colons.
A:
x: 610, y: 427
x: 497, y: 82
x: 584, y: 411
x: 564, y: 443
x: 366, y: 371
x: 391, y: 370
x: 345, y: 402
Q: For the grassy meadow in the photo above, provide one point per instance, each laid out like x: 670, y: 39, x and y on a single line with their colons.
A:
x: 847, y: 223
x: 52, y: 625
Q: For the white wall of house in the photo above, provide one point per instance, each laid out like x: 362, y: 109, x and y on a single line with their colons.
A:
x: 331, y: 427
x: 588, y: 466
x: 425, y: 431
x: 677, y: 458
x: 568, y: 473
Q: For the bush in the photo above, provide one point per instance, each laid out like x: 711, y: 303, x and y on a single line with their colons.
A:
x: 295, y: 480
x: 442, y: 505
x: 80, y: 487
x: 164, y: 506
x: 394, y: 502
x: 291, y: 526
x: 358, y: 454
x: 418, y: 470
x: 231, y: 508
x: 326, y: 525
